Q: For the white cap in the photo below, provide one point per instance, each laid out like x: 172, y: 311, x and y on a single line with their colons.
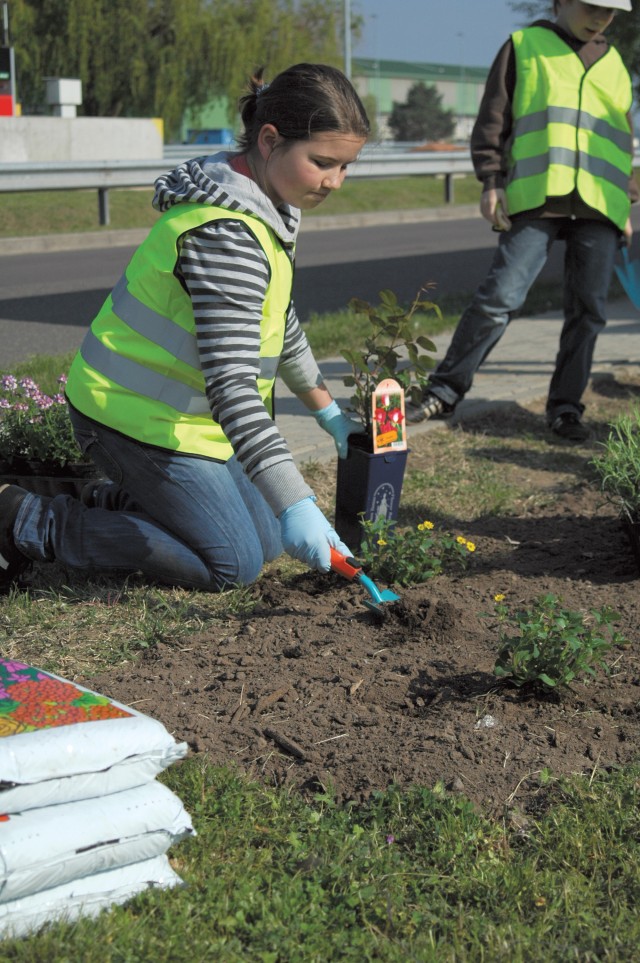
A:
x: 616, y: 4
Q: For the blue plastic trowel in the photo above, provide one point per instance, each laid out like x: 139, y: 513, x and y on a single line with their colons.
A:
x: 350, y: 569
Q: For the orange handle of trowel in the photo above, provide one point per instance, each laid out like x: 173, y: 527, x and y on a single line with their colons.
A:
x: 344, y: 564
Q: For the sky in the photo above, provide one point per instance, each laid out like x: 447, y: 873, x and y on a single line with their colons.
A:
x: 468, y: 32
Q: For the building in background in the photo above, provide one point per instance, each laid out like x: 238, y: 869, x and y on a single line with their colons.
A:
x: 389, y: 81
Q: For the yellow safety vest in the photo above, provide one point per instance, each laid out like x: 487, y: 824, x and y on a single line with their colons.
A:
x: 138, y: 371
x: 570, y: 127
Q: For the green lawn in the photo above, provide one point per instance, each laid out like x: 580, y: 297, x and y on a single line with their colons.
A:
x: 52, y: 212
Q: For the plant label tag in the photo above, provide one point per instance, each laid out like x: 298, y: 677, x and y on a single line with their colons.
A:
x: 387, y: 417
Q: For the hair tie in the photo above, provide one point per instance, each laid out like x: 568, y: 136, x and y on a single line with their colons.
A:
x: 262, y: 89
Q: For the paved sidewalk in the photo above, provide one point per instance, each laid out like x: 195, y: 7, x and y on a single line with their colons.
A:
x: 518, y: 370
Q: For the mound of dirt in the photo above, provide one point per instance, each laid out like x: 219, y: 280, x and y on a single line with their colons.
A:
x: 314, y: 690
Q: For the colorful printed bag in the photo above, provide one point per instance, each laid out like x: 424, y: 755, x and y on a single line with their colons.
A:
x: 61, y: 742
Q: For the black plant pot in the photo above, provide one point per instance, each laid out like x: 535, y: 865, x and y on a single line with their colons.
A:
x: 42, y: 478
x: 368, y: 486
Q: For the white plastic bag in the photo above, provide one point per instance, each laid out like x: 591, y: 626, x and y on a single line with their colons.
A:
x: 84, y: 897
x: 44, y: 848
x: 61, y: 742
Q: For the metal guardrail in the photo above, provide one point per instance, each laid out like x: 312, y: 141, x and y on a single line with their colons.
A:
x: 104, y: 175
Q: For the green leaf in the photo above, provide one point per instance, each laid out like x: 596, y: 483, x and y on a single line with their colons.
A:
x: 358, y: 306
x: 425, y: 343
x: 388, y: 298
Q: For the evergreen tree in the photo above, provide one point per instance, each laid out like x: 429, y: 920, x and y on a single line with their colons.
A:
x: 421, y: 116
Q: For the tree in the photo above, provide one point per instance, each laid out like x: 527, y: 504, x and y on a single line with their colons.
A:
x: 158, y: 58
x: 422, y: 116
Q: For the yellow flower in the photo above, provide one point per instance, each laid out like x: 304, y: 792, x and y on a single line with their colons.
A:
x: 428, y: 525
x: 499, y: 597
x: 381, y: 541
x: 421, y: 527
x: 461, y: 540
x: 471, y: 547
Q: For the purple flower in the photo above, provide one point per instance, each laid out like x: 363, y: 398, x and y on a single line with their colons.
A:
x: 29, y: 387
x: 34, y: 424
x: 390, y: 839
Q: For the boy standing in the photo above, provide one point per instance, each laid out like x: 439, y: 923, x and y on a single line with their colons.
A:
x: 552, y: 146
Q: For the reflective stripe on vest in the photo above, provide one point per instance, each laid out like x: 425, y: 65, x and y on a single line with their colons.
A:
x: 138, y: 369
x: 570, y: 127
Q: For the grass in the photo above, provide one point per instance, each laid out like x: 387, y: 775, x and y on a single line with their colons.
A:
x: 409, y: 876
x: 70, y: 212
x: 67, y: 212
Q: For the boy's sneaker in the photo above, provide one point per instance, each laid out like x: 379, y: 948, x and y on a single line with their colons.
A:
x: 568, y: 426
x: 430, y: 407
x: 12, y: 561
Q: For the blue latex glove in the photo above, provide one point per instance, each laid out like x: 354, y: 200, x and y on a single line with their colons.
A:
x: 306, y: 535
x: 334, y: 421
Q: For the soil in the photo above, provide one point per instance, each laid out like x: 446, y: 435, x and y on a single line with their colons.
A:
x: 312, y: 690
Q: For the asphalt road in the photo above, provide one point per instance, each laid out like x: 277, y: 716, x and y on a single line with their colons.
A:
x: 47, y: 300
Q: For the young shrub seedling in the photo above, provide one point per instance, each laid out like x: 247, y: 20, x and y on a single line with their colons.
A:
x: 392, y: 349
x: 548, y: 646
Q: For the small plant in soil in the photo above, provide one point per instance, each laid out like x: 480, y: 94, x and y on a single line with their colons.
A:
x: 547, y: 646
x: 411, y: 556
x: 618, y: 467
x: 392, y: 349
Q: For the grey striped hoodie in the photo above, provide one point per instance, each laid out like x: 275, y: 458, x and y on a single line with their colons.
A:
x: 226, y: 273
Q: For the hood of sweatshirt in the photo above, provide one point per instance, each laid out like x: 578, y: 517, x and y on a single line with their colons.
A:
x: 211, y: 180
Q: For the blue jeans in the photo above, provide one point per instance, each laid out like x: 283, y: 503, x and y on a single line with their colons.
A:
x: 521, y: 254
x: 178, y: 519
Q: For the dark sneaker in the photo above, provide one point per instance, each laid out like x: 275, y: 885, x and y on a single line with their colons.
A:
x: 568, y: 426
x: 430, y: 407
x: 12, y: 561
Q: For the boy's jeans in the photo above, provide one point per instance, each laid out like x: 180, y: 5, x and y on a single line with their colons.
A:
x: 521, y: 254
x: 178, y: 519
